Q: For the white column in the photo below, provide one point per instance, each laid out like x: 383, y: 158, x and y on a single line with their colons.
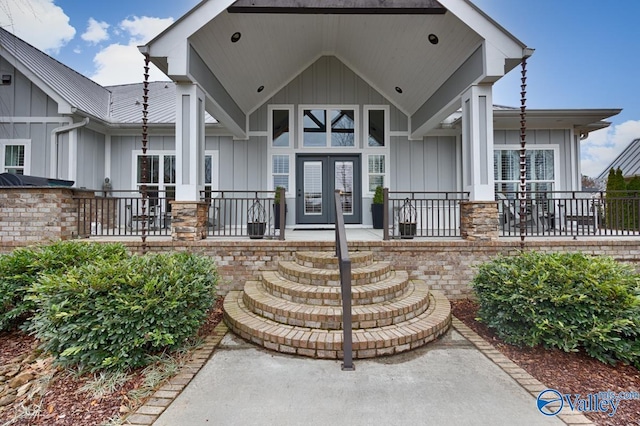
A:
x: 477, y: 143
x: 189, y: 142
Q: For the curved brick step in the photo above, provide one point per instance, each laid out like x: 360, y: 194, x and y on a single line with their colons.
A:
x: 413, y: 303
x: 367, y: 343
x: 331, y: 277
x: 390, y: 288
x: 328, y: 259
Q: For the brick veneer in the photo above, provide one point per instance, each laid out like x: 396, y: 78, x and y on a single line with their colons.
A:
x: 34, y: 214
x: 447, y: 266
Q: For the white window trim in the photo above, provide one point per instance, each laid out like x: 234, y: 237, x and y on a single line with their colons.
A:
x: 356, y: 130
x: 27, y: 153
x: 215, y: 165
x: 270, y: 110
x: 365, y: 126
x: 270, y: 186
x: 557, y: 181
x: 375, y: 150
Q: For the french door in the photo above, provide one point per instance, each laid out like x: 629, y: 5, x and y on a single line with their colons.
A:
x: 317, y: 178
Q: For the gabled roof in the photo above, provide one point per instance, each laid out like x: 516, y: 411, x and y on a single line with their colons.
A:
x: 628, y: 161
x: 69, y: 88
x: 126, y: 104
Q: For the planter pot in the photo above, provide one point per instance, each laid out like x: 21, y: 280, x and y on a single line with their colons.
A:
x: 407, y: 230
x: 377, y: 213
x: 276, y: 215
x: 256, y: 230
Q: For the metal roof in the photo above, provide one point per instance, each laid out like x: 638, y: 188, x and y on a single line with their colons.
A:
x: 628, y: 161
x: 77, y: 90
x: 126, y: 103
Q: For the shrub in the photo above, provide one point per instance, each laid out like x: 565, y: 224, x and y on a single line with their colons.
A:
x: 22, y: 267
x: 114, y: 315
x: 378, y: 196
x: 567, y: 301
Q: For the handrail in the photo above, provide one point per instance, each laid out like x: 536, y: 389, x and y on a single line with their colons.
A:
x: 344, y: 262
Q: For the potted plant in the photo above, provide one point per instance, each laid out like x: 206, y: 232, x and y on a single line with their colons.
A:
x: 377, y: 208
x: 256, y: 224
x: 276, y: 206
x: 407, y: 216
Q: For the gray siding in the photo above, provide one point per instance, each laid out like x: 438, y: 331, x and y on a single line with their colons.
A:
x: 558, y: 137
x: 428, y: 165
x: 90, y: 172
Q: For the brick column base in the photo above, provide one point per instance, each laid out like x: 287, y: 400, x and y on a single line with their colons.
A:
x: 479, y: 220
x: 188, y: 220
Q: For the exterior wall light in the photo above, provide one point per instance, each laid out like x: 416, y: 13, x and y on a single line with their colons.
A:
x: 6, y: 79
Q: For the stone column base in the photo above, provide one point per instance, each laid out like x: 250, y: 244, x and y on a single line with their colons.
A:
x: 189, y: 220
x: 479, y: 220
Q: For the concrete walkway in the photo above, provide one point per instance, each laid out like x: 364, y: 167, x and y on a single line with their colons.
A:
x: 449, y: 382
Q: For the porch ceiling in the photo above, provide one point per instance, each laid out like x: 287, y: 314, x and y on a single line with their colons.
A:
x: 387, y: 51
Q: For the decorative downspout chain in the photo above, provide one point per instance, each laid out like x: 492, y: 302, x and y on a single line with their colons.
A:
x: 145, y: 164
x: 522, y: 193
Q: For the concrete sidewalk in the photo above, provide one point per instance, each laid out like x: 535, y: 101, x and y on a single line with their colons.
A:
x: 449, y: 382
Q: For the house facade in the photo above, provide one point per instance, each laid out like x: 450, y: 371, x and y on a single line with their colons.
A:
x: 347, y: 95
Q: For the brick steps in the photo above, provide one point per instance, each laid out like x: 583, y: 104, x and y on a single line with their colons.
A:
x: 382, y: 291
x: 297, y: 309
x: 318, y: 343
x: 413, y: 303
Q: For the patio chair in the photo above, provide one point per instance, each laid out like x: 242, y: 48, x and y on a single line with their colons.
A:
x: 510, y: 218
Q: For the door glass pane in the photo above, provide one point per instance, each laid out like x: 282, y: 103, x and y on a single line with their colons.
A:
x: 280, y: 135
x: 376, y: 127
x: 342, y: 127
x: 169, y: 169
x: 153, y: 162
x: 208, y: 170
x: 344, y: 183
x: 313, y: 187
x: 315, y: 127
x: 14, y: 155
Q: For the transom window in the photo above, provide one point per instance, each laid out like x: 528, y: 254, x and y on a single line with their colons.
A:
x: 333, y: 127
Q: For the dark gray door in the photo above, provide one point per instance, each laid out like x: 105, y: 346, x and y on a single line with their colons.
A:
x: 318, y: 176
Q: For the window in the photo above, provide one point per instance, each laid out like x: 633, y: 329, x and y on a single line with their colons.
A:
x: 540, y: 169
x: 328, y: 127
x: 15, y: 156
x: 280, y: 128
x: 376, y: 128
x: 280, y: 171
x: 376, y: 171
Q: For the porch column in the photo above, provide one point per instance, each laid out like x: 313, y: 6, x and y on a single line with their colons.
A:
x: 188, y: 213
x: 480, y: 214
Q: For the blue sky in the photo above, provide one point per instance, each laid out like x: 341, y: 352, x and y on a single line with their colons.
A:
x: 587, y: 51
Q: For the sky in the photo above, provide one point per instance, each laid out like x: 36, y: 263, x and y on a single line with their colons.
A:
x: 587, y: 52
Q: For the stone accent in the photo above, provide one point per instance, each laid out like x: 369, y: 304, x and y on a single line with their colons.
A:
x: 35, y: 215
x: 188, y: 220
x: 479, y: 220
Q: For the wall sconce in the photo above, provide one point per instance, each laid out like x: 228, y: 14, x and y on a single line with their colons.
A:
x: 6, y: 79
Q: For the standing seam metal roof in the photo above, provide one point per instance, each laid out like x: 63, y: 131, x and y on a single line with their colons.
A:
x: 628, y: 161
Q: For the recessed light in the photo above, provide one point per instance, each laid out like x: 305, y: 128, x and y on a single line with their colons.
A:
x: 433, y: 39
x: 399, y: 89
x: 260, y: 89
x: 235, y: 37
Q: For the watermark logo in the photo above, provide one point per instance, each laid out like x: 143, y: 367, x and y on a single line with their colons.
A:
x: 547, y: 400
x: 551, y: 401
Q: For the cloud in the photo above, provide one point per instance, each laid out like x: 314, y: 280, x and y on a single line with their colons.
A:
x: 122, y: 63
x: 603, y: 146
x: 38, y: 22
x: 96, y: 32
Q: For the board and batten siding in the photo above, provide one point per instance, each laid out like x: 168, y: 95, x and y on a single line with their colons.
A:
x: 562, y: 138
x: 90, y: 172
x: 26, y: 112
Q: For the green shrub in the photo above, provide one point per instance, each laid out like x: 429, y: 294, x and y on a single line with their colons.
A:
x: 567, y: 301
x: 22, y: 267
x: 114, y: 315
x: 378, y: 196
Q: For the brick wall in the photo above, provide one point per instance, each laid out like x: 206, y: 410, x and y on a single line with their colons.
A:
x: 32, y: 215
x: 445, y: 265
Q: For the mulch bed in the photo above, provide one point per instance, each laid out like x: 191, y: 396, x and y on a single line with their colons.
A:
x: 574, y: 373
x: 64, y: 404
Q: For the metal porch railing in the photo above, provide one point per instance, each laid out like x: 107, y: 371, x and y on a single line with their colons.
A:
x: 344, y: 262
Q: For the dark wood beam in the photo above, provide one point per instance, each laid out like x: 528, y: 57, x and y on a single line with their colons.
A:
x: 362, y: 7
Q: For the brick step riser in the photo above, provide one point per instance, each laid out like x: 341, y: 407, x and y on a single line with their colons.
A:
x: 328, y: 344
x: 333, y: 280
x: 328, y: 260
x: 332, y: 320
x: 331, y: 296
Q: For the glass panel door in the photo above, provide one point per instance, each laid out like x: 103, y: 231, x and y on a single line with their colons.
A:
x: 313, y: 188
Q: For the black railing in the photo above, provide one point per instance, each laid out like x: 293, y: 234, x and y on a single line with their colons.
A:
x: 246, y: 213
x: 121, y: 214
x: 409, y: 214
x: 344, y: 262
x: 571, y: 213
